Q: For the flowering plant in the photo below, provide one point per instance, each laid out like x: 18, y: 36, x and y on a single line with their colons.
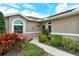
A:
x: 23, y: 37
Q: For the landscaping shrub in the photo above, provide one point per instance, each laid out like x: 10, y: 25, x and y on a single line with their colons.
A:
x: 6, y: 42
x: 76, y: 45
x: 56, y: 40
x: 23, y: 37
x: 2, y: 23
x: 31, y: 50
x: 67, y: 44
x: 42, y: 37
x: 45, y: 31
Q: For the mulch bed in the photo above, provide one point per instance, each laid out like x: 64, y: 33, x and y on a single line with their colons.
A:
x: 13, y: 52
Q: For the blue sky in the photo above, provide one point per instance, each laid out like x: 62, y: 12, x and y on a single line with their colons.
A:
x: 36, y: 9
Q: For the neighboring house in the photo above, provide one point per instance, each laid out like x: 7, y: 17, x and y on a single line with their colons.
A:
x: 64, y: 22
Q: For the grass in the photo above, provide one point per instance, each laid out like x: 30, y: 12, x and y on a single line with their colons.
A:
x: 31, y: 50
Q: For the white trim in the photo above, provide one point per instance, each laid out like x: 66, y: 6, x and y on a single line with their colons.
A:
x: 67, y: 34
x: 16, y: 24
x: 33, y: 32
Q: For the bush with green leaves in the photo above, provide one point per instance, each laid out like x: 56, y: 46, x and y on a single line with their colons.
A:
x: 67, y: 43
x: 76, y: 45
x: 2, y: 23
x: 56, y: 40
x: 45, y: 31
x: 43, y: 37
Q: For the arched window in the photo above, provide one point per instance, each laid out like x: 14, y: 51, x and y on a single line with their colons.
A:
x: 18, y: 26
x: 18, y: 22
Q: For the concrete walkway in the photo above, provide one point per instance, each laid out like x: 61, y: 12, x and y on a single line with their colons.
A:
x: 51, y: 50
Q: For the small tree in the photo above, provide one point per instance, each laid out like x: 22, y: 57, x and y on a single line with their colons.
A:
x: 2, y: 23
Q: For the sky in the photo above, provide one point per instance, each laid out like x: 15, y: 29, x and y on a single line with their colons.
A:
x: 36, y: 9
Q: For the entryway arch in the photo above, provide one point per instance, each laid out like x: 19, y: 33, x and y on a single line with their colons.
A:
x: 18, y: 26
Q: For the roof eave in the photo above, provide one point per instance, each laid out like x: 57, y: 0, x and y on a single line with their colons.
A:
x: 8, y: 15
x: 74, y: 12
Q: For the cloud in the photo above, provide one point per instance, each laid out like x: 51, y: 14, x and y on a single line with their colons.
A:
x: 11, y: 10
x: 73, y: 6
x: 3, y: 9
x: 13, y: 5
x: 64, y: 6
x: 33, y: 13
x: 61, y: 7
x: 7, y: 10
x: 29, y: 6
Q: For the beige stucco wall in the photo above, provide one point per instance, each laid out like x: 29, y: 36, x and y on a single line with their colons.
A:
x: 65, y: 25
x: 7, y: 24
x: 33, y: 26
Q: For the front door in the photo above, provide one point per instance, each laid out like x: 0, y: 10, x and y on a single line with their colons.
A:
x: 18, y: 29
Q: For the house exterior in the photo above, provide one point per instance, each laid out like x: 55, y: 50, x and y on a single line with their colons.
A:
x: 64, y: 22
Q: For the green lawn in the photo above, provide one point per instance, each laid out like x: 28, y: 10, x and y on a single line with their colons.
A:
x: 31, y: 50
